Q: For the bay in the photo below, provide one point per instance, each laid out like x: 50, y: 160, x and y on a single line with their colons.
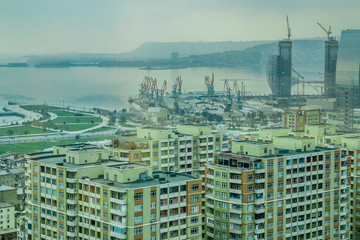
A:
x: 110, y: 88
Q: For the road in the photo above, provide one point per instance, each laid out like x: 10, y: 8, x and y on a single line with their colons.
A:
x: 56, y: 137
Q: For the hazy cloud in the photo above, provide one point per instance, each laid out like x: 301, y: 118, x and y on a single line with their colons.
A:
x: 49, y: 26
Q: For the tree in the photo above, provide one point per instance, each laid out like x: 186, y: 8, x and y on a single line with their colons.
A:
x: 92, y: 121
x: 26, y: 132
x: 10, y: 132
x: 77, y: 120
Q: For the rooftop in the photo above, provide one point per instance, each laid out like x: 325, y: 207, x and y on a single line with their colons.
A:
x: 254, y: 142
x: 12, y: 171
x: 159, y: 178
x: 59, y: 160
x: 4, y: 204
x: 6, y: 188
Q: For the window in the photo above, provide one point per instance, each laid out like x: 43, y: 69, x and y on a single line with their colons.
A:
x: 224, y: 195
x: 224, y: 175
x: 224, y: 185
x: 194, y: 209
x: 195, y: 187
x: 194, y: 220
x: 250, y: 198
x: 153, y: 217
x: 194, y: 230
x: 194, y: 198
x: 153, y: 228
x: 250, y: 177
x: 270, y: 175
x: 138, y: 196
x: 153, y: 205
x: 138, y: 231
x: 270, y: 165
x: 153, y: 194
x: 138, y: 208
x: 280, y: 164
x: 250, y: 187
x: 138, y: 219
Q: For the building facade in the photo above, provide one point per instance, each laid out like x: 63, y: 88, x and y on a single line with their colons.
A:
x: 261, y: 191
x: 331, y: 51
x: 84, y: 194
x: 7, y: 221
x: 297, y: 118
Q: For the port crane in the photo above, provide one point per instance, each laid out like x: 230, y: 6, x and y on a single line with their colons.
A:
x: 238, y: 94
x: 228, y: 90
x: 210, y: 85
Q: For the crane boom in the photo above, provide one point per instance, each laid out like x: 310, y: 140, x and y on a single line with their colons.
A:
x: 328, y: 32
x: 288, y: 28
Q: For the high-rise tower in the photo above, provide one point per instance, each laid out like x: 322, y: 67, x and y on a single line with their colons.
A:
x: 279, y: 70
x: 331, y: 52
x: 347, y: 66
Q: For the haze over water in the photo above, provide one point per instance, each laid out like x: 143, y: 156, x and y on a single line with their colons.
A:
x: 111, y: 87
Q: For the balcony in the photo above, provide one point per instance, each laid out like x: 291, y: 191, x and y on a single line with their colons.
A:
x: 260, y: 221
x: 238, y: 181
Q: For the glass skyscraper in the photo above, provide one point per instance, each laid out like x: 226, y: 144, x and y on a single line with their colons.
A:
x: 347, y: 68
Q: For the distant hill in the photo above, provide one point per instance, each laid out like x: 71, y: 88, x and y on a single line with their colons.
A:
x: 305, y: 52
x: 185, y: 49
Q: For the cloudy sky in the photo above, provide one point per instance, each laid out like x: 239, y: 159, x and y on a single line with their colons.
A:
x: 113, y: 26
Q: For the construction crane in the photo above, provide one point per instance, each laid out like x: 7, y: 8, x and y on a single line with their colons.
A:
x: 288, y: 28
x: 238, y: 94
x: 328, y: 32
x: 228, y: 90
x: 210, y: 86
x: 298, y: 82
x: 154, y: 93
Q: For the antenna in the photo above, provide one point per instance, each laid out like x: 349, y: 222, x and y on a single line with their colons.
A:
x: 288, y: 28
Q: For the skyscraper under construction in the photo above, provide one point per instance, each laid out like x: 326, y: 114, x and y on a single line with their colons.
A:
x: 331, y: 52
x: 279, y: 70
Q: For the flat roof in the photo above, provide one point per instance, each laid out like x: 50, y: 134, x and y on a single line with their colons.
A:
x: 58, y: 161
x: 12, y: 171
x: 6, y: 188
x: 170, y: 177
x: 4, y: 204
x: 254, y: 142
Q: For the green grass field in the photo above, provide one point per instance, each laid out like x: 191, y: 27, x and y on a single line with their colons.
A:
x: 75, y: 127
x: 102, y: 129
x: 20, y: 130
x: 24, y: 148
x: 83, y: 119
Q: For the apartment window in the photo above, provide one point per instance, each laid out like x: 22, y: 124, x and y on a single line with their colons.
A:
x: 270, y: 185
x: 153, y: 194
x: 217, y: 184
x: 280, y: 164
x: 224, y: 205
x: 224, y: 185
x: 138, y: 196
x: 194, y: 220
x: 280, y: 184
x: 194, y: 230
x: 224, y: 225
x: 270, y: 165
x: 270, y: 175
x: 224, y: 195
x: 194, y: 209
x: 251, y: 187
x: 138, y: 231
x: 153, y: 228
x: 195, y: 187
x: 224, y: 215
x: 250, y: 177
x: 138, y: 219
x: 194, y: 198
x: 280, y: 174
x: 250, y: 198
x: 224, y: 175
x: 138, y: 208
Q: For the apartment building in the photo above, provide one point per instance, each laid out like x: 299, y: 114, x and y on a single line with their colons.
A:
x: 288, y: 189
x: 297, y: 118
x: 184, y: 150
x: 84, y: 194
x: 7, y: 221
x: 12, y: 177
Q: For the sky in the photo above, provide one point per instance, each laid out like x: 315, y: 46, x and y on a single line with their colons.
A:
x: 114, y: 26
